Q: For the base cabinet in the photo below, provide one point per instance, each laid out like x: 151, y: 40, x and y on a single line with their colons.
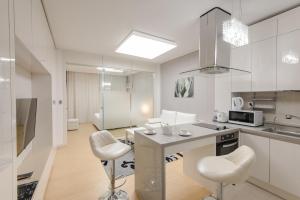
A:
x: 285, y: 166
x: 260, y: 169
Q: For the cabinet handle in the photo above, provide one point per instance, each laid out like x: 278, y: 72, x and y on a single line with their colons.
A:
x: 229, y: 145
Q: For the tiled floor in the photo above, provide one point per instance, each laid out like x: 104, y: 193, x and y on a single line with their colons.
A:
x: 247, y: 191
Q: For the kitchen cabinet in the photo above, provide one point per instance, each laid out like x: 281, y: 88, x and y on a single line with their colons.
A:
x: 288, y: 66
x: 263, y: 30
x: 284, y: 166
x: 241, y: 59
x: 263, y: 61
x: 260, y: 169
x: 288, y: 21
x: 7, y: 116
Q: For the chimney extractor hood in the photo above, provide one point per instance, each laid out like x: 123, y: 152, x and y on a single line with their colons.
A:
x: 214, y: 52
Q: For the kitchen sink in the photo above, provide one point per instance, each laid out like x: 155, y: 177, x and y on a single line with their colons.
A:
x: 284, y: 130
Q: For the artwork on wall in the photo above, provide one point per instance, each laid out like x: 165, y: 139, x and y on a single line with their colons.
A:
x: 184, y: 87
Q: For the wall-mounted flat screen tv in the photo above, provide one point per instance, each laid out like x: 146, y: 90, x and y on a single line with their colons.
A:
x: 26, y: 119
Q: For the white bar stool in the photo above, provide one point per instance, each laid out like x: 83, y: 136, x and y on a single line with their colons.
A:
x: 106, y: 147
x: 232, y: 168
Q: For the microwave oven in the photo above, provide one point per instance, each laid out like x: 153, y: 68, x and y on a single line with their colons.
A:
x: 246, y: 117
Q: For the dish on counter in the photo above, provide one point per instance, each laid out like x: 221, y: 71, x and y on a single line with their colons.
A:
x: 149, y: 132
x: 185, y: 133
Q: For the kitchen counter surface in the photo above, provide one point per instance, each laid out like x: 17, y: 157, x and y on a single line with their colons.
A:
x: 259, y: 132
x: 165, y: 139
x: 171, y: 136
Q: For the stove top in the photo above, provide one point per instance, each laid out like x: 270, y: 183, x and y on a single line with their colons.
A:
x: 211, y: 126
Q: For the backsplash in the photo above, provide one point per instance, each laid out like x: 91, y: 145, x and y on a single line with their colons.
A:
x: 274, y: 104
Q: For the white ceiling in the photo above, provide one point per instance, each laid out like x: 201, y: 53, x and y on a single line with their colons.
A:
x: 98, y: 26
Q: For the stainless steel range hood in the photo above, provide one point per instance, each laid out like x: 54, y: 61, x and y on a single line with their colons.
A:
x: 214, y: 52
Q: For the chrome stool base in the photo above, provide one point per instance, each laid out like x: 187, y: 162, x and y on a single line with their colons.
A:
x: 209, y: 198
x: 119, y: 195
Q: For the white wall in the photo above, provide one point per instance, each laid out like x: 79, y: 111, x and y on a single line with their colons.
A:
x: 23, y: 83
x: 202, y: 103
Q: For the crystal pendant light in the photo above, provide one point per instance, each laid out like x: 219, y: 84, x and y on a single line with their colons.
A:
x: 235, y: 32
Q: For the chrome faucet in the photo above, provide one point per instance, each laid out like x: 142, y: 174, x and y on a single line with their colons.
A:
x: 274, y: 122
x: 289, y: 116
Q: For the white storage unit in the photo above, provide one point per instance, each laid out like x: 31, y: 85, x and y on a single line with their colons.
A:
x: 260, y: 169
x: 284, y: 166
x: 287, y: 71
x: 241, y: 59
x: 263, y: 30
x: 7, y: 99
x: 263, y: 61
x: 289, y: 21
x: 273, y: 55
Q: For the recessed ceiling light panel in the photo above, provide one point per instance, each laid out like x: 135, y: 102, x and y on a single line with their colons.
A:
x: 108, y: 69
x: 144, y: 45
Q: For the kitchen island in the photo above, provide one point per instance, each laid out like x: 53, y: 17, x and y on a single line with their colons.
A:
x: 150, y: 152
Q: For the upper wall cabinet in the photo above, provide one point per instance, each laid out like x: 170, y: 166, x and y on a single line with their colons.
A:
x: 263, y: 55
x: 23, y: 22
x: 289, y: 21
x: 263, y: 30
x: 288, y: 66
x: 263, y: 60
x: 241, y: 59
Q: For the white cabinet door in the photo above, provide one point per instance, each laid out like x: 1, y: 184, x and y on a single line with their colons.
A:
x: 263, y: 30
x: 289, y: 21
x: 285, y: 165
x: 241, y: 59
x: 288, y: 66
x: 260, y: 169
x: 7, y: 138
x: 263, y: 61
x: 23, y: 22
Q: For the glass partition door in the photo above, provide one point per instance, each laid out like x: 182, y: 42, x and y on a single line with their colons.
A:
x: 126, y: 99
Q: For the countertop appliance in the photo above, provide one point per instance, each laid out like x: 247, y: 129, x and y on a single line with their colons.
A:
x: 227, y: 143
x: 246, y: 117
x: 237, y: 103
x: 222, y: 117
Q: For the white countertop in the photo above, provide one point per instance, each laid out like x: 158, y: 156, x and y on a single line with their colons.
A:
x: 172, y: 137
x: 200, y: 132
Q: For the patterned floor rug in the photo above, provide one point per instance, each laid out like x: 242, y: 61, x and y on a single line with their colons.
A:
x: 125, y: 164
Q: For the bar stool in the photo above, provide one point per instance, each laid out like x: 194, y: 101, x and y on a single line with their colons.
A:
x: 232, y: 168
x: 106, y: 147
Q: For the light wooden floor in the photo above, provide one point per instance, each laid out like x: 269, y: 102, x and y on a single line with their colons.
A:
x: 78, y: 175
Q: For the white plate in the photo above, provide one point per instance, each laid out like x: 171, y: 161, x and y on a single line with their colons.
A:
x: 148, y: 132
x: 184, y: 133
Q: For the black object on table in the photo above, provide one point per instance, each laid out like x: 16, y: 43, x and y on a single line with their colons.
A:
x: 25, y: 191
